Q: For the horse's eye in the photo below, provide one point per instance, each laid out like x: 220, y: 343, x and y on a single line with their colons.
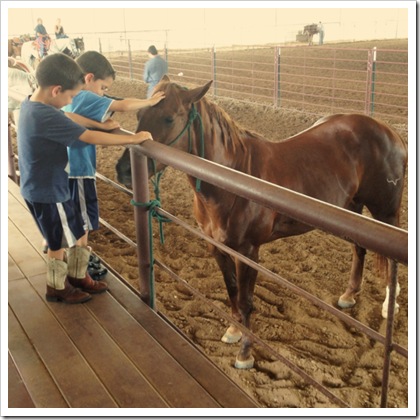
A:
x: 169, y: 120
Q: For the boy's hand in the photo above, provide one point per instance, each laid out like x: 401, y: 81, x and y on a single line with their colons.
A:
x: 110, y: 125
x: 141, y: 136
x: 156, y: 98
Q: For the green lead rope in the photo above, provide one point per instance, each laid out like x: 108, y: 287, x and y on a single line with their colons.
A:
x: 152, y: 205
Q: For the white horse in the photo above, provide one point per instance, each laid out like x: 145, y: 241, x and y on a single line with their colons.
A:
x: 20, y: 83
x: 69, y: 46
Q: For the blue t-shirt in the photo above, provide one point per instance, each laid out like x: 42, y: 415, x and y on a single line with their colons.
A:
x: 154, y: 69
x: 82, y: 157
x: 44, y: 133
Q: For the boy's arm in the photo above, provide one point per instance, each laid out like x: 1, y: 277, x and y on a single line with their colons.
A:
x: 134, y: 104
x: 95, y: 125
x: 109, y: 139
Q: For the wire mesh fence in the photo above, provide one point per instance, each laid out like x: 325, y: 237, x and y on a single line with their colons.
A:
x: 320, y: 80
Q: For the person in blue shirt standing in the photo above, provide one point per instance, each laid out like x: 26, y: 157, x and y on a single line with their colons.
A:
x: 43, y: 135
x: 154, y: 69
x: 92, y: 103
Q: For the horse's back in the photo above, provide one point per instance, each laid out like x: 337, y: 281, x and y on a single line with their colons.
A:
x: 379, y: 156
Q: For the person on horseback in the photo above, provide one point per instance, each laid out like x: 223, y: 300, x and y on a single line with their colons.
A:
x: 42, y: 39
x: 59, y: 30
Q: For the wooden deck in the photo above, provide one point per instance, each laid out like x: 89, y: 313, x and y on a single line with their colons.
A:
x: 112, y: 351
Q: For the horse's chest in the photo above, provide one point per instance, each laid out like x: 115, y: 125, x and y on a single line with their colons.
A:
x: 231, y: 221
x: 212, y: 220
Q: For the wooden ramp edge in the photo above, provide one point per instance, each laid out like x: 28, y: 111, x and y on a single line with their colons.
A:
x: 113, y: 351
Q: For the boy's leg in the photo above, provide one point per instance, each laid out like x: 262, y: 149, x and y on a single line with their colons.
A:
x: 58, y: 287
x: 83, y: 193
x: 78, y: 260
x: 61, y: 225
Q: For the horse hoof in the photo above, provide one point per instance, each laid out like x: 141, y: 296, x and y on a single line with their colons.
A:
x: 344, y: 304
x: 244, y: 364
x: 232, y: 336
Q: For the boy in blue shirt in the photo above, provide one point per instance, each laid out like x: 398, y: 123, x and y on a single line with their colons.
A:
x: 44, y: 133
x: 91, y: 103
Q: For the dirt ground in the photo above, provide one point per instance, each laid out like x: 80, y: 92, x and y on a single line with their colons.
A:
x: 336, y: 355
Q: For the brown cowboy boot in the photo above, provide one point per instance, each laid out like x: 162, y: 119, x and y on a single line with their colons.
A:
x: 78, y: 260
x: 58, y: 287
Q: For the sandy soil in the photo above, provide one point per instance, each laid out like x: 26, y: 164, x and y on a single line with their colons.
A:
x: 338, y: 356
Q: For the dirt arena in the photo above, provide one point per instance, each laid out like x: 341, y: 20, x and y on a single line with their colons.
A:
x: 339, y: 357
x: 336, y: 355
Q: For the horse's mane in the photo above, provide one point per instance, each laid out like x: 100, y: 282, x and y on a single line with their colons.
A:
x: 228, y: 123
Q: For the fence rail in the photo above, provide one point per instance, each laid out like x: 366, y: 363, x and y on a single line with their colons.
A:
x: 279, y: 199
x: 319, y: 80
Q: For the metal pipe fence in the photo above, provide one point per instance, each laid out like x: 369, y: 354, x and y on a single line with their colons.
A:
x: 388, y: 240
x: 318, y: 80
x: 337, y: 221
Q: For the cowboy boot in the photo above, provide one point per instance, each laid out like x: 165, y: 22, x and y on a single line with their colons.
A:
x: 78, y: 260
x: 58, y: 287
x: 95, y: 268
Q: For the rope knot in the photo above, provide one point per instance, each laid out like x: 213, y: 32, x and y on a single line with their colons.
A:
x: 152, y: 207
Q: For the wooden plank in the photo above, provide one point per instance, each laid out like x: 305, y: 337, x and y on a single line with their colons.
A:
x: 43, y: 390
x: 23, y: 220
x: 222, y: 388
x: 14, y: 271
x: 120, y: 376
x: 74, y: 377
x: 173, y: 382
x: 18, y: 394
x: 29, y: 261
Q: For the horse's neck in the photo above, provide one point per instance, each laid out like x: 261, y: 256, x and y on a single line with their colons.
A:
x: 224, y: 141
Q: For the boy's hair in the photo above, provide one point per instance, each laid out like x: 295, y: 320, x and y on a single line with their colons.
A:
x: 59, y: 69
x: 95, y: 63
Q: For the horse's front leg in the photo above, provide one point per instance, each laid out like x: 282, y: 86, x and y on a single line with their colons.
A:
x: 347, y: 300
x: 392, y: 279
x: 227, y: 266
x: 246, y: 280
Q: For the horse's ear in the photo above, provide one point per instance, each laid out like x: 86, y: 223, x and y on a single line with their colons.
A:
x: 194, y: 95
x: 165, y: 78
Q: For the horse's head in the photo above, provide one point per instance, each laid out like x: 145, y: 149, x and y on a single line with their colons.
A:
x: 78, y: 46
x: 167, y: 122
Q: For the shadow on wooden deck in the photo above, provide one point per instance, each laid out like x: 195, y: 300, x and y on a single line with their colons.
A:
x: 112, y: 351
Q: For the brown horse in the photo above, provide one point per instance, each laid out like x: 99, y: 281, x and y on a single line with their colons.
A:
x: 350, y: 161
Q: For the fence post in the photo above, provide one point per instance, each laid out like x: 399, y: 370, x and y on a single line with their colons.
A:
x: 213, y: 70
x: 12, y: 170
x: 368, y: 82
x: 372, y: 90
x: 100, y: 45
x: 130, y: 62
x: 140, y: 178
x: 277, y: 52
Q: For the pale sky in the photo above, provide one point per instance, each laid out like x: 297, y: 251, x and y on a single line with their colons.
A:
x: 217, y: 23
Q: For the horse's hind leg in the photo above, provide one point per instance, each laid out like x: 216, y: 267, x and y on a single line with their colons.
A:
x: 391, y: 280
x: 388, y: 268
x: 347, y: 300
